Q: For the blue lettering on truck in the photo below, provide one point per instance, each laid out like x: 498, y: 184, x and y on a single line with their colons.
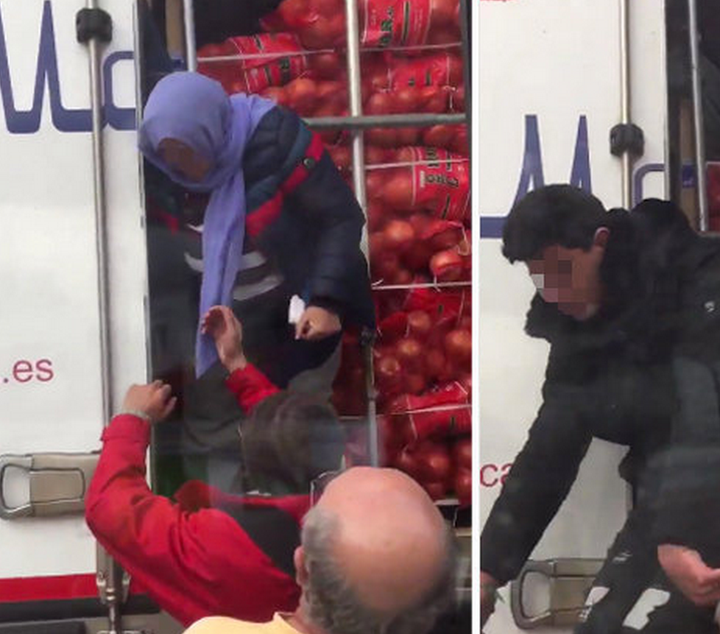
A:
x: 63, y: 119
x: 532, y: 167
x: 532, y: 175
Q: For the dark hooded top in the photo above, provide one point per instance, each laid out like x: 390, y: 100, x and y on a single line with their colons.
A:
x: 621, y: 376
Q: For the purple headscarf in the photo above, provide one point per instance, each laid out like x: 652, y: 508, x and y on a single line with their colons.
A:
x: 195, y: 109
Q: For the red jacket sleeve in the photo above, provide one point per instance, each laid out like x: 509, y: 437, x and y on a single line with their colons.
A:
x: 194, y: 564
x: 250, y: 387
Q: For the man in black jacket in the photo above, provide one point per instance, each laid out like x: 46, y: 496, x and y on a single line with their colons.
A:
x: 627, y: 302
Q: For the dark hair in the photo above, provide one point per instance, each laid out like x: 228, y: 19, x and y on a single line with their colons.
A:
x: 292, y: 438
x: 333, y: 603
x: 556, y: 214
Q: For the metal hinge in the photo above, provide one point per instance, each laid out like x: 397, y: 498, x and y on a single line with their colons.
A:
x: 93, y: 23
x: 569, y: 582
x: 113, y: 583
x: 627, y: 137
x: 58, y: 483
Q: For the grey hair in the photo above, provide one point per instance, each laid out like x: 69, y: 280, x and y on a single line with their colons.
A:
x: 333, y: 604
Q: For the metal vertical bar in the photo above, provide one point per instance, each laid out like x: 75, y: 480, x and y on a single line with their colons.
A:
x: 698, y: 120
x: 465, y: 9
x: 355, y: 99
x: 189, y: 30
x: 96, y: 99
x: 352, y: 25
x: 625, y: 102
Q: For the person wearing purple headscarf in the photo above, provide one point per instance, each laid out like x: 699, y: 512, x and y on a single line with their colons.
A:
x: 297, y: 212
x: 280, y: 222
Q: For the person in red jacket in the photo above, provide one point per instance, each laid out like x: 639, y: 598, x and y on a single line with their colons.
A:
x: 207, y: 552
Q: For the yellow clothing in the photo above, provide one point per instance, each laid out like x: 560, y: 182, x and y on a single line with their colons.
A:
x: 227, y: 625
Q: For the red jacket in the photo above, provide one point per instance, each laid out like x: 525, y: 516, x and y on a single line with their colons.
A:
x: 193, y: 558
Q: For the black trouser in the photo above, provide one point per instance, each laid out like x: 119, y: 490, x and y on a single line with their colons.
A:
x: 631, y: 593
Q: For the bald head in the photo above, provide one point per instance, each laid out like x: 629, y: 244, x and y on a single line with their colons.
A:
x: 375, y: 553
x: 391, y: 538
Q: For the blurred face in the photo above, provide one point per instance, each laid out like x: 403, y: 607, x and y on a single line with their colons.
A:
x: 570, y: 278
x: 184, y: 160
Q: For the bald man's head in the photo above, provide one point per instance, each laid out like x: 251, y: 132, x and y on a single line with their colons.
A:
x: 377, y: 552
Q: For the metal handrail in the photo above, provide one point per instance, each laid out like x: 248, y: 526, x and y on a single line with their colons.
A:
x: 360, y: 121
x: 625, y: 100
x: 698, y: 119
x: 189, y: 32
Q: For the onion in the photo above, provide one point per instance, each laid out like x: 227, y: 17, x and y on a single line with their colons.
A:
x: 383, y: 137
x: 434, y: 462
x: 458, y: 346
x: 444, y: 36
x: 407, y: 136
x: 326, y: 65
x: 462, y: 453
x: 407, y: 99
x: 398, y: 191
x: 409, y: 351
x: 435, y: 490
x: 414, y: 383
x: 446, y: 238
x: 374, y: 155
x: 375, y: 184
x: 294, y: 13
x: 407, y: 462
x: 438, y: 136
x: 435, y: 362
x: 401, y: 277
x: 385, y: 266
x: 446, y: 266
x: 399, y: 235
x: 376, y: 244
x: 443, y: 12
x: 434, y: 99
x: 321, y: 33
x: 455, y: 70
x: 329, y: 8
x: 419, y: 324
x: 376, y: 214
x: 301, y: 95
x: 417, y: 256
x: 389, y: 374
x: 379, y: 103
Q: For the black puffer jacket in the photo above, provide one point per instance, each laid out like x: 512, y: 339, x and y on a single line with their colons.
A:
x: 614, y: 377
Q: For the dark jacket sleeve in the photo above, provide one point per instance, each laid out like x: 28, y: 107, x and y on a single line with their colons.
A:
x: 688, y: 500
x: 537, y: 484
x: 331, y: 207
x: 325, y: 206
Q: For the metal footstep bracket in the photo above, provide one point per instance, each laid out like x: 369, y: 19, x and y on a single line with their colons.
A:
x: 58, y: 483
x: 569, y: 582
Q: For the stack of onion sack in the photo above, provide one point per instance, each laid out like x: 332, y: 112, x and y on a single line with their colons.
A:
x: 314, y: 84
x: 383, y: 23
x: 419, y: 219
x: 422, y: 363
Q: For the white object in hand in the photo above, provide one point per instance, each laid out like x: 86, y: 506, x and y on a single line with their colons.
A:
x: 296, y: 309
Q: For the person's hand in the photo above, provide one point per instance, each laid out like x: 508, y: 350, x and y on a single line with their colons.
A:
x: 154, y: 400
x: 317, y: 323
x: 686, y: 569
x: 488, y: 595
x: 221, y: 324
